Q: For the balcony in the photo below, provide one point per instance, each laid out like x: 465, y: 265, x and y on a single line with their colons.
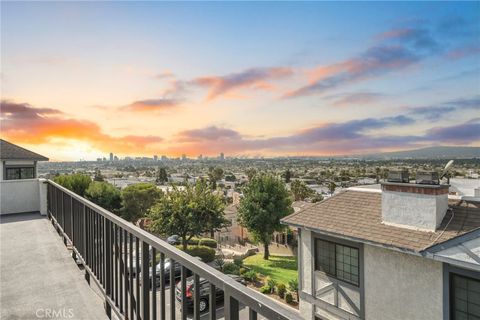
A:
x: 105, y: 277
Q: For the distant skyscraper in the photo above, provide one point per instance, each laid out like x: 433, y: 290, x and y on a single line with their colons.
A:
x: 115, y: 158
x: 164, y: 158
x: 111, y: 156
x: 184, y: 157
x: 222, y: 156
x: 200, y: 157
x: 155, y: 158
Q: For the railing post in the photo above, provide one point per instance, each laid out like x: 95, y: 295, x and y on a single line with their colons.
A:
x: 108, y: 251
x: 231, y: 307
x: 145, y: 282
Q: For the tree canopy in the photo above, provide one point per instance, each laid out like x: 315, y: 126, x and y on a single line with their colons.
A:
x: 265, y: 201
x: 300, y: 190
x: 188, y: 213
x: 105, y: 195
x: 162, y: 175
x: 76, y: 182
x: 137, y: 199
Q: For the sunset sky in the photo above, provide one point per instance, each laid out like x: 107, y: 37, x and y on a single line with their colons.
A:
x: 82, y: 79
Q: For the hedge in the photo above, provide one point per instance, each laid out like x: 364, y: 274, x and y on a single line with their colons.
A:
x: 212, y: 243
x: 207, y: 254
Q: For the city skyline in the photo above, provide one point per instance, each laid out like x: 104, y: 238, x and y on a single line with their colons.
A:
x: 242, y: 79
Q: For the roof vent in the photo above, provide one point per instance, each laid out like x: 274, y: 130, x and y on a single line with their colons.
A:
x: 399, y: 176
x: 427, y: 177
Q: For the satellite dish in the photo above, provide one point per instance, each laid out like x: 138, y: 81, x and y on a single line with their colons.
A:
x: 445, y: 170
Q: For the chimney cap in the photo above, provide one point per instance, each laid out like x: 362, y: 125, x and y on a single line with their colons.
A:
x: 398, y: 176
x: 427, y: 177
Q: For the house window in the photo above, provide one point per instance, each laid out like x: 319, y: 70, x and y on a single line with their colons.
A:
x: 338, y: 261
x: 14, y: 173
x: 465, y: 297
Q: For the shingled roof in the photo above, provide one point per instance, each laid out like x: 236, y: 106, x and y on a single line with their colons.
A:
x: 357, y: 215
x: 10, y: 151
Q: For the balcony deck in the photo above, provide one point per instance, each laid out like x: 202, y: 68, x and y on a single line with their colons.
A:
x: 38, y: 274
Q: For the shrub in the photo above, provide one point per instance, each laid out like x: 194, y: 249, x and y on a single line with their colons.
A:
x: 194, y: 241
x: 207, y: 254
x: 242, y: 271
x: 238, y: 261
x: 271, y: 283
x: 212, y: 243
x: 265, y: 289
x: 231, y: 268
x: 220, y: 262
x: 293, y: 285
x: 288, y: 298
x: 281, y: 290
x: 250, y: 276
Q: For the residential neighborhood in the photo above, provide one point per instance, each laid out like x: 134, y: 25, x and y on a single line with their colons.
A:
x: 238, y: 160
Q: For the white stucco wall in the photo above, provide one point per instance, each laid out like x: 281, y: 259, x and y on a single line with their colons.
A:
x: 28, y: 195
x: 402, y: 286
x: 414, y: 210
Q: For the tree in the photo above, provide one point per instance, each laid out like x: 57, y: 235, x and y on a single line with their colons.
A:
x: 214, y: 174
x: 162, y: 175
x: 250, y: 172
x: 300, y: 190
x: 288, y: 176
x: 331, y: 187
x: 265, y: 201
x: 188, y: 213
x: 98, y: 175
x: 137, y: 200
x: 105, y: 195
x: 230, y: 178
x: 76, y: 182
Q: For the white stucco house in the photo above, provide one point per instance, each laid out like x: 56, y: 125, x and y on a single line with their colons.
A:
x: 18, y: 180
x: 390, y: 251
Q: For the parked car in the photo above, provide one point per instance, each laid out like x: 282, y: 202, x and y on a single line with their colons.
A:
x: 177, y: 271
x: 204, y: 291
x: 173, y: 240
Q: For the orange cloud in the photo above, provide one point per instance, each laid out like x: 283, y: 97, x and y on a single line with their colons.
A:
x: 151, y: 105
x: 23, y: 123
x: 256, y: 78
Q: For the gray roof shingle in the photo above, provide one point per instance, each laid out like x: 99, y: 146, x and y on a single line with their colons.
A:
x: 10, y: 151
x: 357, y: 215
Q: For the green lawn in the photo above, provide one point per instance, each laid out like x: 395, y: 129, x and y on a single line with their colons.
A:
x: 282, y: 269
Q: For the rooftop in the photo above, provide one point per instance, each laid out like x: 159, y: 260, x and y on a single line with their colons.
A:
x: 10, y: 151
x: 357, y: 215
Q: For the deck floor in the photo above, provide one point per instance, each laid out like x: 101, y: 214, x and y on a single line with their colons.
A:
x: 39, y: 279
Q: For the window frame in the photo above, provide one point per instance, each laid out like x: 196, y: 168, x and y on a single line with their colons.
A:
x: 335, y: 244
x: 452, y: 275
x: 19, y: 167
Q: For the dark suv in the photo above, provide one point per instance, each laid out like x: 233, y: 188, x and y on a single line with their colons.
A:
x: 204, y: 291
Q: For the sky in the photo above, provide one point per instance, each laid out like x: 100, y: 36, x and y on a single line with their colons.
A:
x: 82, y: 79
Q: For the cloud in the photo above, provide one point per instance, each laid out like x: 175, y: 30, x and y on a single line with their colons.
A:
x: 151, y: 105
x: 23, y: 123
x: 374, y: 62
x: 417, y: 37
x: 435, y: 112
x: 211, y: 133
x: 255, y: 78
x: 356, y: 98
x: 463, y: 52
x: 393, y: 50
x: 327, y: 138
x: 464, y: 133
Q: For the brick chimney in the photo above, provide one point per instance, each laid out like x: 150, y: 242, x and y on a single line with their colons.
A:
x: 419, y: 206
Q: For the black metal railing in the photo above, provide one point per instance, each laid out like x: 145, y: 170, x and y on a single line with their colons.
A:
x: 118, y: 256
